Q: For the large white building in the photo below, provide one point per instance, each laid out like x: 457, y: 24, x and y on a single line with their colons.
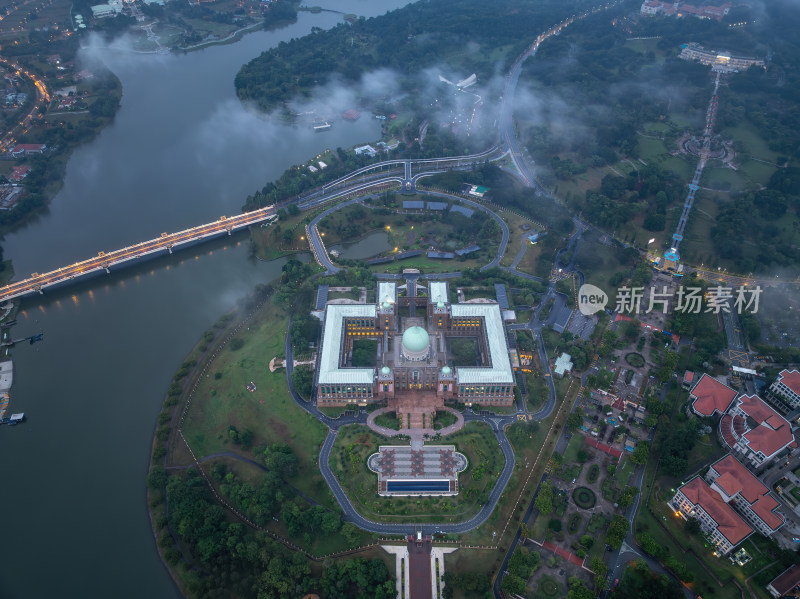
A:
x: 414, y: 336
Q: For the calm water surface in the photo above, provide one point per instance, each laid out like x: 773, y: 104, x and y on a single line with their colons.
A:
x: 182, y: 151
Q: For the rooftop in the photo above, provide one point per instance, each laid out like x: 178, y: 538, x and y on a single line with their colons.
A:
x: 787, y: 580
x: 563, y: 363
x: 437, y: 290
x: 711, y: 396
x: 772, y: 432
x: 790, y: 378
x: 387, y: 292
x: 330, y: 372
x: 729, y: 523
x: 500, y: 369
x: 735, y: 478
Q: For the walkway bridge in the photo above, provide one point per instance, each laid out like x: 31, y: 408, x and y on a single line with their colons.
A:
x: 672, y: 255
x: 134, y: 253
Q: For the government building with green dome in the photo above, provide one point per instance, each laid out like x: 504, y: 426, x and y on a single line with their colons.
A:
x: 419, y: 340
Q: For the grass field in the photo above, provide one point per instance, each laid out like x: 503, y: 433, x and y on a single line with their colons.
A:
x: 221, y: 400
x: 751, y: 141
x: 516, y: 235
x: 758, y: 173
x: 700, y: 559
x: 723, y: 179
x: 356, y: 443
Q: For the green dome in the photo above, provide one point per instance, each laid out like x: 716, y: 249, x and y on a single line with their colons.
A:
x: 415, y: 339
x: 440, y: 305
x: 386, y: 305
x: 386, y: 371
x: 446, y: 371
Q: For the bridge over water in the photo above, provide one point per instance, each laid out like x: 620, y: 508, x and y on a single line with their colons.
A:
x: 134, y: 253
x: 402, y: 173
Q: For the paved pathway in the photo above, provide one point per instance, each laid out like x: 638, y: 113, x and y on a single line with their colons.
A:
x: 414, y: 432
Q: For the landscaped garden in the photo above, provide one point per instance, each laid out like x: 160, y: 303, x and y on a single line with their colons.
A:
x: 574, y: 523
x: 549, y: 587
x: 388, y: 420
x: 634, y: 359
x: 593, y: 474
x: 584, y: 497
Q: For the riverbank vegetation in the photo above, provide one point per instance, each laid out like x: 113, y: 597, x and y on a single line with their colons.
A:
x: 84, y: 100
x: 258, y: 452
x: 406, y: 41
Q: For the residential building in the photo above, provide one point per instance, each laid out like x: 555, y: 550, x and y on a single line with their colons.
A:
x: 786, y: 584
x: 28, y: 149
x: 18, y: 173
x: 721, y: 524
x: 787, y: 387
x: 749, y: 496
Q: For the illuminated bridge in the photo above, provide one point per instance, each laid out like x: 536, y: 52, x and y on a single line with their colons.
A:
x: 134, y: 253
x: 673, y: 255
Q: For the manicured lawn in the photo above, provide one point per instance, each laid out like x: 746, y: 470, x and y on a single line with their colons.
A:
x: 757, y: 172
x: 356, y: 443
x: 705, y: 451
x: 443, y: 419
x: 388, y: 420
x: 268, y: 412
x: 754, y: 143
x: 573, y: 447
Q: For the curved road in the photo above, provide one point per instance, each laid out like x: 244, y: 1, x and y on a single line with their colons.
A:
x: 350, y: 513
x: 318, y: 247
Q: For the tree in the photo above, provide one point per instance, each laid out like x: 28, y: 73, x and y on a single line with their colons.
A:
x: 617, y: 530
x: 639, y: 455
x: 575, y: 419
x: 512, y: 584
x: 626, y: 497
x: 544, y: 499
x: 600, y: 569
x: 579, y: 590
x: 692, y: 526
x: 648, y: 543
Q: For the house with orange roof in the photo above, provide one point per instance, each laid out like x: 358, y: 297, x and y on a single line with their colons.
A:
x: 756, y: 431
x: 751, y: 498
x: 709, y: 396
x: 787, y: 387
x: 722, y: 525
